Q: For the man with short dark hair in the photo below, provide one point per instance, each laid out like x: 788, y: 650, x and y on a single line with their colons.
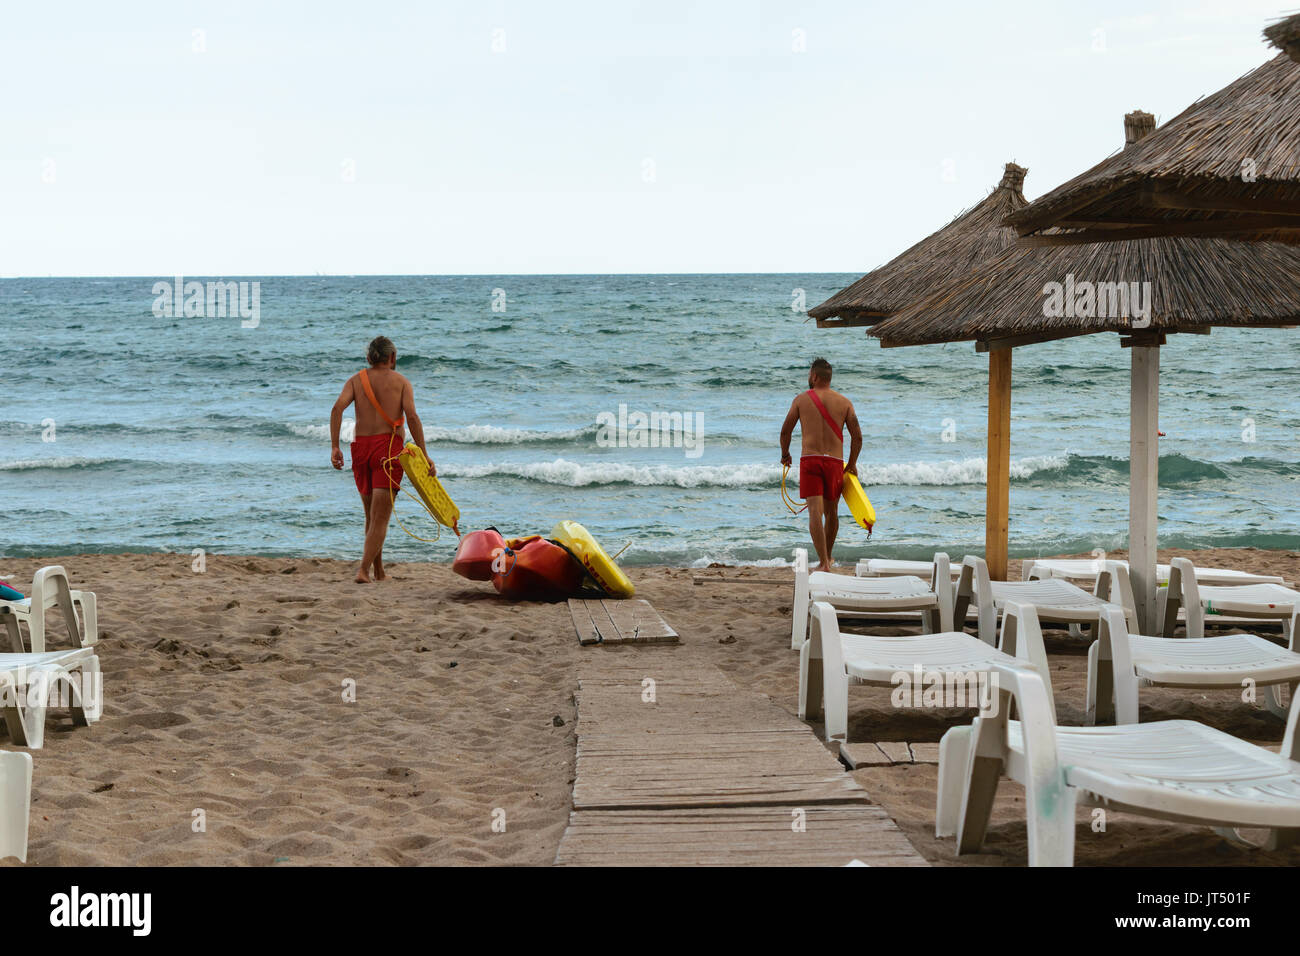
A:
x: 385, y: 400
x: 822, y: 413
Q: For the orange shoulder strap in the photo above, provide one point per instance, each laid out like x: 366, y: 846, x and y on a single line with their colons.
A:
x: 370, y: 394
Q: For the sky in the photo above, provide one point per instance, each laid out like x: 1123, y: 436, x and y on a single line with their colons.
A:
x: 239, y: 138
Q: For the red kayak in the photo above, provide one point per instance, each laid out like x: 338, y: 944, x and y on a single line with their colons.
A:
x: 475, y: 552
x: 534, y: 569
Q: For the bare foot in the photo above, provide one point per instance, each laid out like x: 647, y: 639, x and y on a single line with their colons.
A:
x: 379, y: 571
x: 824, y: 566
x: 361, y: 577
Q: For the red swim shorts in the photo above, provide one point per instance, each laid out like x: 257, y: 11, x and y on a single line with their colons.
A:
x: 368, y: 455
x: 821, y: 475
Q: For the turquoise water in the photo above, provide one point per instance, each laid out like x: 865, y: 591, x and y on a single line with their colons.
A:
x: 171, y: 434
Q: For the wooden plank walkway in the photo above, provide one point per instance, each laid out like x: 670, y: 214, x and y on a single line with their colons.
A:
x: 619, y: 622
x: 887, y: 753
x: 677, y: 765
x: 735, y: 836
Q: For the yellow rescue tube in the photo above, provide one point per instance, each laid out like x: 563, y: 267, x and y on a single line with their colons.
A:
x: 858, y: 502
x: 592, y: 556
x: 429, y: 488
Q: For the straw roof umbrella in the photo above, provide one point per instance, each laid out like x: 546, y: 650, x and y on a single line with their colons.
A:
x: 1225, y: 166
x: 974, y: 236
x: 1285, y: 35
x: 1191, y: 285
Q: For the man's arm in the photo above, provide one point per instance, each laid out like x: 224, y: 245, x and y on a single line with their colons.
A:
x: 336, y: 423
x: 787, y: 431
x: 855, y: 444
x: 414, y: 423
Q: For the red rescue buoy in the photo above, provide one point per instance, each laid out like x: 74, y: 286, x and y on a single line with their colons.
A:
x: 475, y: 552
x: 536, y: 569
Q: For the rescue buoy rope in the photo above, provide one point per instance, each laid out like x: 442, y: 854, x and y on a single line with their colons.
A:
x: 392, y: 497
x: 785, y: 495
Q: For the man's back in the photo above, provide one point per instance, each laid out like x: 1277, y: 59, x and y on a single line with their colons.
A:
x: 388, y: 386
x: 817, y: 436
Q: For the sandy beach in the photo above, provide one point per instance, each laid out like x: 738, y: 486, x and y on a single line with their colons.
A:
x: 224, y: 692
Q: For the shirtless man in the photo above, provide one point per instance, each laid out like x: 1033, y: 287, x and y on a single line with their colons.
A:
x: 384, y: 399
x: 821, y: 414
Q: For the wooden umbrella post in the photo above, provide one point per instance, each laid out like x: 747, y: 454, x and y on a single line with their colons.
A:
x: 1144, y: 470
x: 998, y: 487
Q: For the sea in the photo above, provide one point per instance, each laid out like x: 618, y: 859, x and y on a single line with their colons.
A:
x: 131, y: 425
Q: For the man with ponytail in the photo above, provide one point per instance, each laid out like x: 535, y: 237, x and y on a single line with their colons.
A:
x: 385, y: 402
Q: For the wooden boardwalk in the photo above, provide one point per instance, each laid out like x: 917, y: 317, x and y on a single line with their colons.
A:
x: 619, y: 622
x: 679, y: 766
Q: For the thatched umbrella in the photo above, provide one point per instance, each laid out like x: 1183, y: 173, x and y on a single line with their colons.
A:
x: 1228, y: 165
x: 1285, y: 35
x: 1040, y: 293
x: 973, y: 237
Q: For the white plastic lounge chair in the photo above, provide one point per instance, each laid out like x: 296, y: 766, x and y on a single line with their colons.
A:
x: 890, y: 568
x: 1082, y: 571
x: 870, y: 596
x: 1170, y: 769
x: 1087, y: 569
x: 30, y: 682
x: 1256, y: 601
x: 50, y: 589
x: 15, y: 803
x: 834, y: 660
x: 1119, y: 662
x: 1058, y: 601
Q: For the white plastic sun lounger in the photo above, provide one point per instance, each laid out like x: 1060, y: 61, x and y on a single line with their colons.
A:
x: 891, y: 568
x: 1058, y: 601
x: 1087, y: 569
x: 1176, y: 770
x: 870, y: 596
x: 1254, y: 601
x: 1084, y: 571
x: 30, y: 682
x: 951, y: 658
x: 50, y: 589
x: 15, y: 803
x: 1120, y: 662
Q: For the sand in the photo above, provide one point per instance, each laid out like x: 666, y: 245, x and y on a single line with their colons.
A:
x: 224, y: 692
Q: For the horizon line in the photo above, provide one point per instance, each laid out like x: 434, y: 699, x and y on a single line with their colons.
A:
x: 403, y: 275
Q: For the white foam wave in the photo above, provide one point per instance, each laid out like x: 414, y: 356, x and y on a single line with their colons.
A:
x: 574, y: 475
x: 495, y: 435
x: 468, y: 435
x: 322, y: 432
x: 730, y: 561
x: 971, y: 471
x: 67, y: 461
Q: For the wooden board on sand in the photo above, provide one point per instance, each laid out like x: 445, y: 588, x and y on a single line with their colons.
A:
x: 736, y: 836
x: 619, y: 622
x: 677, y: 766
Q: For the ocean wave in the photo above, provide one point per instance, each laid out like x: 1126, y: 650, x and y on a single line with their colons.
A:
x: 437, y: 363
x: 970, y: 471
x: 573, y: 474
x: 496, y: 435
x: 57, y: 463
x: 1177, y: 470
x: 732, y: 561
x: 322, y: 432
x: 467, y: 435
